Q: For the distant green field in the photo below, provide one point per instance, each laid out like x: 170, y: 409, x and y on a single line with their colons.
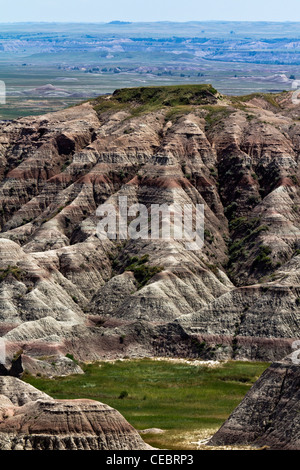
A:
x: 183, y: 399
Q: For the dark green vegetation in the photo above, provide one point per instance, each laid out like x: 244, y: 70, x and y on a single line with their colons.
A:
x: 245, y: 232
x: 147, y: 99
x: 142, y: 272
x: 180, y: 398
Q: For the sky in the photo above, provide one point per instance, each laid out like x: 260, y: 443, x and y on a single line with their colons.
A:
x: 148, y: 10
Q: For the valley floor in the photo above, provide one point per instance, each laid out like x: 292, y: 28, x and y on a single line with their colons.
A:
x: 188, y: 400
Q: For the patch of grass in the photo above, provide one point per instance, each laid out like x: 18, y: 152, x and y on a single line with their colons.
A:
x: 216, y: 114
x: 11, y: 271
x: 270, y: 98
x: 176, y: 397
x: 213, y: 268
x: 178, y: 111
x: 167, y: 95
x: 147, y: 99
x: 142, y: 271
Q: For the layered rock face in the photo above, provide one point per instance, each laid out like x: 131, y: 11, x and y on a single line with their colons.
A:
x: 31, y: 420
x: 64, y: 290
x: 19, y: 393
x: 269, y: 414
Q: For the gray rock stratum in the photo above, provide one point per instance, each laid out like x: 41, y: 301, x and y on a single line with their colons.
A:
x: 63, y: 290
x: 269, y: 415
x: 31, y: 420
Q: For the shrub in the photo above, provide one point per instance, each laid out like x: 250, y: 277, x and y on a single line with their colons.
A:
x: 263, y: 261
x: 70, y: 356
x: 294, y: 179
x: 208, y: 236
x: 11, y: 270
x: 253, y: 200
x: 142, y: 272
x: 230, y: 210
x: 122, y: 339
x: 213, y: 172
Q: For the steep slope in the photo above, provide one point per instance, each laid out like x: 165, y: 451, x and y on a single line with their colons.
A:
x: 269, y: 414
x: 239, y: 157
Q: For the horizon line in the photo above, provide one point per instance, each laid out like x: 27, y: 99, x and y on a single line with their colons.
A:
x: 128, y: 22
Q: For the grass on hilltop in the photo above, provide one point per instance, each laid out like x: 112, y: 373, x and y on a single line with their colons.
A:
x: 147, y: 99
x: 270, y: 98
x: 177, y: 397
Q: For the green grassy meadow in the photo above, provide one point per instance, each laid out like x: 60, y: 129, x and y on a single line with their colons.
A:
x: 185, y: 400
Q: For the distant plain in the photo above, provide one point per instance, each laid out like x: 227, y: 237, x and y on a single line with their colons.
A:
x: 82, y: 61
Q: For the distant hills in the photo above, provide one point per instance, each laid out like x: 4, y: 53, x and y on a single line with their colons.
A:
x: 119, y: 22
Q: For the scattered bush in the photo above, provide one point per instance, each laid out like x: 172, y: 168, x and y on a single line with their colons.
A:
x: 230, y: 210
x: 123, y: 394
x: 253, y: 200
x: 70, y: 356
x: 122, y: 339
x: 142, y: 272
x: 208, y: 236
x: 263, y: 261
x: 11, y: 271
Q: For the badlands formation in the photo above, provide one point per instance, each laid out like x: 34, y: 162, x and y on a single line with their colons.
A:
x: 269, y: 414
x: 32, y: 420
x: 65, y: 292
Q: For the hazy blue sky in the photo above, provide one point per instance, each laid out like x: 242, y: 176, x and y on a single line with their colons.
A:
x: 148, y: 10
